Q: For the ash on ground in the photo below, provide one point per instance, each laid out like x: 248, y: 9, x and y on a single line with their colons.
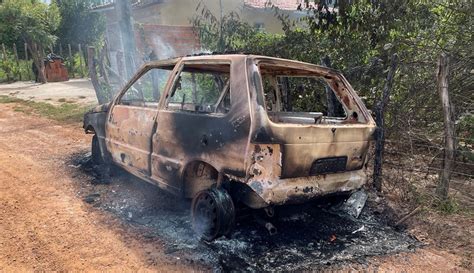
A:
x: 309, y: 237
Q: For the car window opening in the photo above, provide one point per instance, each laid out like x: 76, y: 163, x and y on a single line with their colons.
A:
x: 302, y: 97
x: 146, y: 91
x: 201, y: 90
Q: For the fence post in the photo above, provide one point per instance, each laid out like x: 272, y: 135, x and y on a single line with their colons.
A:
x: 80, y: 60
x: 380, y: 121
x: 120, y: 69
x: 442, y: 77
x: 4, y: 53
x: 15, y: 52
x: 71, y: 60
x: 102, y: 61
x: 26, y: 51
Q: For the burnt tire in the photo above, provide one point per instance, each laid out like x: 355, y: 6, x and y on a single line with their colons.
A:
x: 96, y: 156
x: 213, y: 213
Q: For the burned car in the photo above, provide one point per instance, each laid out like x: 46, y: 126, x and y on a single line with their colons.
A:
x: 236, y: 129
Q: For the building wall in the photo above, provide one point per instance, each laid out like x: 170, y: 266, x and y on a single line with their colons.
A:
x: 164, y: 41
x: 180, y: 12
x: 164, y: 30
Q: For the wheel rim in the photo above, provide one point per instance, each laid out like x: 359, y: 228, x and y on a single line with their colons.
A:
x: 205, y: 216
x: 213, y: 213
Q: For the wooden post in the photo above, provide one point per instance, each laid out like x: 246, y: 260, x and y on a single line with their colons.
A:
x: 120, y: 64
x: 123, y: 9
x: 26, y: 51
x: 442, y: 77
x: 93, y: 74
x: 71, y: 60
x: 60, y: 50
x: 4, y: 53
x: 15, y: 52
x: 380, y: 121
x: 80, y: 60
x: 102, y: 61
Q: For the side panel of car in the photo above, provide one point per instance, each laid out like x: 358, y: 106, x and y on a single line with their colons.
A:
x: 216, y: 139
x: 130, y: 129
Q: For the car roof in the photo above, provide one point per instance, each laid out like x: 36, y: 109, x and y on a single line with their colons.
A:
x: 230, y: 57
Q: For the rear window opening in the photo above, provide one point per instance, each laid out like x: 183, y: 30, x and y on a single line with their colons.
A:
x: 301, y: 97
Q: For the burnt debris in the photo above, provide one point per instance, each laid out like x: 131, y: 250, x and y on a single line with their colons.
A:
x: 310, y: 237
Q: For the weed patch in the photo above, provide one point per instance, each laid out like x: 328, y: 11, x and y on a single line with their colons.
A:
x: 67, y: 112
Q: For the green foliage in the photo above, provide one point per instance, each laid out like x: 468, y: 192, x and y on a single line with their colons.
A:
x: 222, y: 34
x: 360, y: 40
x: 448, y: 206
x: 29, y: 21
x: 79, y: 25
x: 10, y: 70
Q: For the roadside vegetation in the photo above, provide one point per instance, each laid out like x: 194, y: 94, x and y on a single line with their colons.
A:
x: 66, y: 112
x: 361, y: 40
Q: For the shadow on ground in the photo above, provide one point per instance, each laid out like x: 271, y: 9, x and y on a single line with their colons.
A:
x: 309, y: 237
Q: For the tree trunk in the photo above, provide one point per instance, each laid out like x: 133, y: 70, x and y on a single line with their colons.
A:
x: 37, y: 56
x: 380, y: 120
x: 443, y: 71
x: 124, y: 12
x: 99, y: 92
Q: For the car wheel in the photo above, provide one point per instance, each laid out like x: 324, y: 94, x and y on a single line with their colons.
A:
x: 213, y: 213
x: 95, y: 149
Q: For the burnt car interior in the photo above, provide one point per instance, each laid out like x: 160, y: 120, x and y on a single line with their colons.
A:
x: 287, y: 91
x: 204, y: 89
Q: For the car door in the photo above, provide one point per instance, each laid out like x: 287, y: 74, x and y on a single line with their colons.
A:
x: 131, y: 121
x: 200, y: 121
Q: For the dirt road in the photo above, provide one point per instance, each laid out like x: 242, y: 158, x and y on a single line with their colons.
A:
x: 43, y: 225
x: 46, y: 225
x: 79, y: 91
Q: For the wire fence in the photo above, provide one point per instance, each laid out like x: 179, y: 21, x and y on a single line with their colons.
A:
x: 415, y: 144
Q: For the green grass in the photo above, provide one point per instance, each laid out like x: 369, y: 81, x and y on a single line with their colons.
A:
x: 66, y: 112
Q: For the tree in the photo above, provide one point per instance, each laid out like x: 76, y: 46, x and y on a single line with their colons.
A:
x: 32, y: 22
x: 79, y: 25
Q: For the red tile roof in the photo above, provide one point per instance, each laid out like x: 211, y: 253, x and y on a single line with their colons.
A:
x: 281, y: 4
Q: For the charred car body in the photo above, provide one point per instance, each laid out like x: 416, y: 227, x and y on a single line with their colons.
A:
x: 223, y: 129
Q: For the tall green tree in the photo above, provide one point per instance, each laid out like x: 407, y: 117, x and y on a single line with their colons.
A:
x: 32, y: 22
x: 79, y: 25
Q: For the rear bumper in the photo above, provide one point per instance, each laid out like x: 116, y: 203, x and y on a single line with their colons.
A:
x: 302, y: 189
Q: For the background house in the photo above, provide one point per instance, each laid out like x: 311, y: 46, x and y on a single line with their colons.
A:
x: 162, y: 28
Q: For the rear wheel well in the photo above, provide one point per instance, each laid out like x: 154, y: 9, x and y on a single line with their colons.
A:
x: 198, y: 176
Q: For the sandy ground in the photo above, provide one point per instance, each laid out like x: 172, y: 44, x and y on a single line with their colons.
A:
x: 79, y: 91
x: 45, y: 225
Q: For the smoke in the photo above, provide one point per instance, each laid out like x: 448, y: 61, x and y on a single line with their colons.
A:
x: 161, y: 49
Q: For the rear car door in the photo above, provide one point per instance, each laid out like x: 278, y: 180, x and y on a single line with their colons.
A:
x: 131, y: 121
